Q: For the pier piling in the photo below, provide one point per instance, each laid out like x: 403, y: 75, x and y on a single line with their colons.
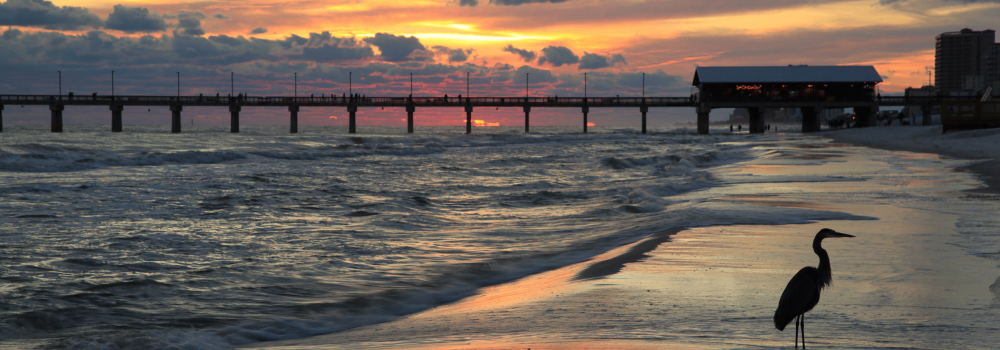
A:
x: 410, y: 108
x: 527, y: 111
x: 234, y: 118
x: 116, y: 117
x: 756, y: 120
x: 352, y: 126
x: 703, y: 119
x: 175, y: 119
x: 586, y: 109
x: 810, y: 119
x: 1, y: 118
x: 468, y: 118
x: 643, y: 109
x: 294, y: 120
x: 863, y: 117
x: 57, y: 120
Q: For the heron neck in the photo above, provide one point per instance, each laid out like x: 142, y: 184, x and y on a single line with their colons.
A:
x: 826, y: 275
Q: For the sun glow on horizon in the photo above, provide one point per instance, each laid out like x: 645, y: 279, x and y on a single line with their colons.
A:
x: 482, y: 123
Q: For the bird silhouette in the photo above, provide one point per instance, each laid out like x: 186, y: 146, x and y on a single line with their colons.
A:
x: 802, y: 292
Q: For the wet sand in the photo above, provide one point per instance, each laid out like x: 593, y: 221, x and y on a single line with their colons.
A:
x: 911, y: 278
x: 982, y: 145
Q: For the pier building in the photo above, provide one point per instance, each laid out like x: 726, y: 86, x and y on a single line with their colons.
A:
x: 809, y: 88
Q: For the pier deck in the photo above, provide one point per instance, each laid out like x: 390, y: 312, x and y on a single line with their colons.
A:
x: 864, y: 107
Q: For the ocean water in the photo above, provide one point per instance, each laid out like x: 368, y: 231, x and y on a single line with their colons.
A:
x: 206, y: 239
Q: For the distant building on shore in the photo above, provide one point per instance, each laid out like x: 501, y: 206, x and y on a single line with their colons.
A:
x: 966, y: 62
x: 915, y: 113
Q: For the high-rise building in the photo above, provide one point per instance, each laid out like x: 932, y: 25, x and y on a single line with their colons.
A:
x: 965, y: 61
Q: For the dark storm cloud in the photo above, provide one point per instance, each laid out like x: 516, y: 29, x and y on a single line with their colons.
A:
x: 318, y: 39
x: 526, y: 55
x: 190, y: 22
x: 332, y: 52
x: 292, y: 41
x: 655, y: 79
x: 40, y: 13
x: 395, y: 48
x: 657, y: 83
x: 503, y: 67
x: 616, y: 59
x: 135, y: 19
x: 557, y: 56
x: 472, y: 79
x: 569, y: 81
x: 11, y: 34
x: 259, y: 30
x: 535, y: 76
x: 98, y: 49
x: 425, y: 70
x: 593, y: 61
x: 324, y: 47
x: 454, y: 55
x: 458, y: 55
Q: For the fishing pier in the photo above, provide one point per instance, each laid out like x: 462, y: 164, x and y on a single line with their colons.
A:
x: 808, y: 88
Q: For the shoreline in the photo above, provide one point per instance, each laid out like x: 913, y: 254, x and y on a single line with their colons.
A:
x: 980, y: 146
x: 716, y: 286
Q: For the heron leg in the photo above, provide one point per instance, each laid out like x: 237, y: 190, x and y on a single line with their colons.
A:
x: 797, y: 331
x: 803, y: 318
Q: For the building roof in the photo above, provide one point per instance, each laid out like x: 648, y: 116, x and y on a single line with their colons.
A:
x: 786, y: 74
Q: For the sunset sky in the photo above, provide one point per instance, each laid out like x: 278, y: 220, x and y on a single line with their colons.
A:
x: 495, y: 41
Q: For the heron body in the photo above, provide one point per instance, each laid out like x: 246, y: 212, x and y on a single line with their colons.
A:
x: 802, y: 292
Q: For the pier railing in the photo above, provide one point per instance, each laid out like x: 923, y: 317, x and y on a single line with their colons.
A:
x: 830, y: 101
x: 441, y: 101
x: 863, y: 105
x: 454, y: 101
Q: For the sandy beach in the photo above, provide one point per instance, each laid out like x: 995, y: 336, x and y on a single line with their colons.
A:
x: 921, y: 273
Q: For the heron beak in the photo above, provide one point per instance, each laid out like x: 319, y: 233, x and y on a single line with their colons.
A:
x: 836, y: 234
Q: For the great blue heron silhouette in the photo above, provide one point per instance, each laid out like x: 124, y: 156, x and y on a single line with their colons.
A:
x: 802, y: 292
